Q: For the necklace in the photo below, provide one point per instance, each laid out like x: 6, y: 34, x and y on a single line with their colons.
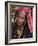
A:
x: 19, y: 33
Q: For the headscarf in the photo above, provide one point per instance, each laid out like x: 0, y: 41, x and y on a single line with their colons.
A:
x: 29, y: 16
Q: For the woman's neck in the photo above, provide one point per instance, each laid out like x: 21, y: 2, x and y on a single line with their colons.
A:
x: 20, y: 28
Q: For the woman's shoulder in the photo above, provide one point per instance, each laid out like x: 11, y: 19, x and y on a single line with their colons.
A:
x: 28, y: 35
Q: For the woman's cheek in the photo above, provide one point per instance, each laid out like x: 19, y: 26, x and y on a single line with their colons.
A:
x: 16, y: 19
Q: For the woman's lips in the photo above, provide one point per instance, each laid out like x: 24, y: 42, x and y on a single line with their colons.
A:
x: 19, y: 23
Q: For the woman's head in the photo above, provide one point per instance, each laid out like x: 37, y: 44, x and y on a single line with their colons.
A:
x: 23, y: 16
x: 20, y: 16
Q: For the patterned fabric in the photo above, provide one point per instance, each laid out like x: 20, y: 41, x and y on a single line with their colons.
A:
x: 29, y: 16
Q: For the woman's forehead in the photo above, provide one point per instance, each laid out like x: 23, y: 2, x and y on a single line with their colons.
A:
x: 21, y: 14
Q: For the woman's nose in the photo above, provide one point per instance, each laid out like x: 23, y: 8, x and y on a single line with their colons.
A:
x: 20, y: 20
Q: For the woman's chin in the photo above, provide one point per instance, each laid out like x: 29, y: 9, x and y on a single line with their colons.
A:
x: 19, y: 24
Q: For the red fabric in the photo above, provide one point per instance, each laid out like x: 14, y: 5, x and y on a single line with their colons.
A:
x: 29, y: 16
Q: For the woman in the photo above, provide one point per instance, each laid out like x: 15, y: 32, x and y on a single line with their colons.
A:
x: 23, y: 23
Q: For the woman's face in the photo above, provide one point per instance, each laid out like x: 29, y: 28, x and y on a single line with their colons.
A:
x: 20, y: 18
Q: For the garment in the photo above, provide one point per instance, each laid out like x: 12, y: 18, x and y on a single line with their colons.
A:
x: 26, y: 33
